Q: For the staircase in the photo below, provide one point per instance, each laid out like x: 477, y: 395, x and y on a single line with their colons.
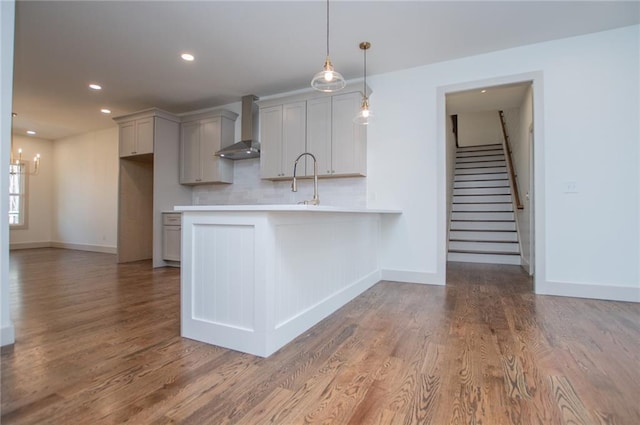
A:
x: 483, y: 227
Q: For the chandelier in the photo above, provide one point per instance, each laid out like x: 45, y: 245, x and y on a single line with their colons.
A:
x: 16, y: 164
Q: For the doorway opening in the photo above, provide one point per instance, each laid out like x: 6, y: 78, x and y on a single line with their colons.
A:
x: 491, y: 176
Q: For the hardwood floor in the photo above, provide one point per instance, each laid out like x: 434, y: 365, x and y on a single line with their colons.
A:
x: 98, y: 343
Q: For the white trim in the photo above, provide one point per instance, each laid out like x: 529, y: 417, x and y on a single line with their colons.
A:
x: 408, y: 276
x: 29, y: 245
x: 85, y: 247
x: 588, y: 290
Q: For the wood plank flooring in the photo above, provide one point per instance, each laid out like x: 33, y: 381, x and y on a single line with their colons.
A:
x: 98, y: 343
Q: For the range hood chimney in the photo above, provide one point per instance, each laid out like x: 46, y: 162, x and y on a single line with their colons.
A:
x: 248, y: 146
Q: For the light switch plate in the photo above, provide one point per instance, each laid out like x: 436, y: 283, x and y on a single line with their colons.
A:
x: 570, y: 187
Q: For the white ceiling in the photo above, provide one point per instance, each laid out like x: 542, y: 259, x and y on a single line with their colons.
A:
x: 262, y: 47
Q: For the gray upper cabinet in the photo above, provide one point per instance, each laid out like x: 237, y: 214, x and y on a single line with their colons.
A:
x: 319, y: 124
x: 136, y: 133
x: 201, y: 136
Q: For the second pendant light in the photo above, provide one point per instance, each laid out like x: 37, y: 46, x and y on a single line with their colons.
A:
x: 364, y: 114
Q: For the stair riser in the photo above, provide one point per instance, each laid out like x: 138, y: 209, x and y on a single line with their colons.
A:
x: 481, y: 199
x: 476, y: 164
x: 482, y: 207
x: 484, y: 258
x: 480, y: 154
x: 483, y: 225
x: 503, y: 247
x: 479, y: 148
x: 482, y: 216
x: 481, y: 170
x: 482, y: 158
x: 478, y: 184
x: 483, y: 236
x: 480, y: 177
x: 482, y: 191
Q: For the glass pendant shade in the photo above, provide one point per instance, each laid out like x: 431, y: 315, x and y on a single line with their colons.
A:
x: 328, y: 80
x: 364, y: 115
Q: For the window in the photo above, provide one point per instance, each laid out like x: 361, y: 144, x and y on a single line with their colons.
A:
x: 17, y: 195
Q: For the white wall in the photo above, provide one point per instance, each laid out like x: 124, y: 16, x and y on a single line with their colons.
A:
x: 586, y: 106
x: 518, y: 121
x: 37, y: 232
x: 479, y: 128
x: 7, y: 21
x: 85, y: 191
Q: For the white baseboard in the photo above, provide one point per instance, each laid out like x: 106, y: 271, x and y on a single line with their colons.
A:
x: 7, y: 335
x: 29, y: 245
x: 413, y: 277
x: 585, y: 290
x: 85, y: 247
x: 79, y: 247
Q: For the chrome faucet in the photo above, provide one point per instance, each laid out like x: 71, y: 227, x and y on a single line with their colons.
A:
x: 294, y: 184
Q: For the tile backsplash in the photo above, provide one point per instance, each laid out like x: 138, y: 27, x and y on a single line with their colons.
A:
x: 248, y: 188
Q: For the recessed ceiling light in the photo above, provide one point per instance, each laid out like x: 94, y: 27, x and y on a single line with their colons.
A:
x: 94, y: 86
x: 31, y: 132
x: 105, y: 111
x: 187, y: 56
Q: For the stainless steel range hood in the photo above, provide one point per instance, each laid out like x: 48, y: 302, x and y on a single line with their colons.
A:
x: 248, y: 147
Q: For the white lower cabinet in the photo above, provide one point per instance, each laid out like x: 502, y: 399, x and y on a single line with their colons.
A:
x: 319, y: 124
x: 171, y: 235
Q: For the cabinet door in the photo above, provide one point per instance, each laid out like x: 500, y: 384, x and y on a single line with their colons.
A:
x: 348, y: 145
x: 190, y: 153
x: 319, y: 134
x: 294, y: 132
x: 271, y: 142
x: 127, y: 138
x: 171, y: 243
x: 212, y: 168
x: 209, y: 142
x: 144, y: 135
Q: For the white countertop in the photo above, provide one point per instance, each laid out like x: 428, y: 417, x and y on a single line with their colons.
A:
x: 282, y: 208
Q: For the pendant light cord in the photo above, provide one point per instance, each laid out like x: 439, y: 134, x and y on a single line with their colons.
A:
x: 327, y: 28
x: 365, y: 74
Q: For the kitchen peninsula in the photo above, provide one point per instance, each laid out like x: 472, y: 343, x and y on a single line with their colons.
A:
x: 254, y: 277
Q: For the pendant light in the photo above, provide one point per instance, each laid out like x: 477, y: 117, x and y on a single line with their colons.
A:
x: 328, y: 80
x: 365, y: 114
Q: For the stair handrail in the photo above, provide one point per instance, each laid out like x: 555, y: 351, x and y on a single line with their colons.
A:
x: 512, y: 173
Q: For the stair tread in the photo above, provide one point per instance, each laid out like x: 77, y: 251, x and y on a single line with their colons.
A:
x: 488, y: 231
x: 482, y: 240
x: 463, y: 251
x: 482, y: 221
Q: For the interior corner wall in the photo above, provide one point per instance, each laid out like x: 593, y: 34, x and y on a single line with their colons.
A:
x: 85, y: 191
x: 519, y: 121
x: 589, y: 108
x: 37, y: 232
